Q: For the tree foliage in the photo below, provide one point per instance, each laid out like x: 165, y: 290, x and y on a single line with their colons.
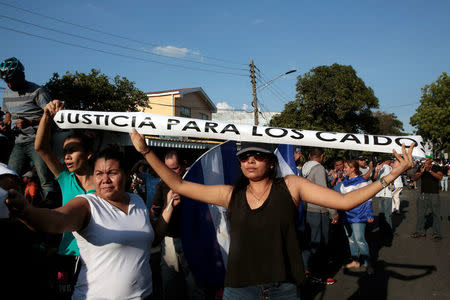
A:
x: 388, y: 124
x: 95, y: 92
x: 433, y: 114
x: 330, y: 98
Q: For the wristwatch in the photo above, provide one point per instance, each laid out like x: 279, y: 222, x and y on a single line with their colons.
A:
x: 383, y: 182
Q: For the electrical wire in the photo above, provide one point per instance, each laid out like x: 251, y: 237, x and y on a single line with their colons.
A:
x: 270, y: 87
x: 104, y: 32
x: 118, y: 46
x: 274, y: 85
x: 118, y: 54
x: 274, y: 92
x: 403, y: 105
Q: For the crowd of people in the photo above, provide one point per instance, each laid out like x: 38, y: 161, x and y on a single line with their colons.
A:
x: 104, y: 219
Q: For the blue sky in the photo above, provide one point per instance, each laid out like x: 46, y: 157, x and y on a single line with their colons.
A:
x: 396, y: 47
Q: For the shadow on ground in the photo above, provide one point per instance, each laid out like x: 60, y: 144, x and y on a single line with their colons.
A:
x: 374, y: 286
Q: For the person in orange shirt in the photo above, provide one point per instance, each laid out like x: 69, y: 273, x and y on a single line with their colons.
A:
x: 32, y: 190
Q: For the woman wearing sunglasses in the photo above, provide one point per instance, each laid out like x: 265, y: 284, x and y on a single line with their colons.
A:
x: 75, y: 177
x: 264, y: 257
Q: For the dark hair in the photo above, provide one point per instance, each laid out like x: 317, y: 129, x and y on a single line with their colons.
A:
x: 353, y: 164
x: 242, y: 181
x: 170, y: 154
x: 86, y: 139
x: 10, y: 181
x: 113, y: 152
x: 316, y: 152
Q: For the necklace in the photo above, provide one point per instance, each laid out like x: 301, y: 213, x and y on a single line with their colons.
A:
x: 258, y: 199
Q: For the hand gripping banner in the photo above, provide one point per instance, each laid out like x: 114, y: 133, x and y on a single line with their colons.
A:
x: 152, y: 124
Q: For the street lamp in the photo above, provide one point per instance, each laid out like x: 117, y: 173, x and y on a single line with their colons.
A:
x: 264, y: 85
x: 260, y: 88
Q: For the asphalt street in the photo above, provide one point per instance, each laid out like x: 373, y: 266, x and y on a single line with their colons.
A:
x: 405, y: 268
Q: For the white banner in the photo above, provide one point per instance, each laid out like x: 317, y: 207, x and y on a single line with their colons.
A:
x: 152, y: 124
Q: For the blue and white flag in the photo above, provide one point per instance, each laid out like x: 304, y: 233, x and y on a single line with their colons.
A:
x: 204, y: 227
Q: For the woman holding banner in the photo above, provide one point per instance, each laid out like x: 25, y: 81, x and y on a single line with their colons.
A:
x: 75, y: 177
x: 113, y: 231
x: 264, y: 258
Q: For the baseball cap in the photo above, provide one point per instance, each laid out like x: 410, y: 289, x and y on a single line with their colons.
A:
x: 28, y: 174
x: 254, y: 146
x: 361, y: 157
x: 5, y: 169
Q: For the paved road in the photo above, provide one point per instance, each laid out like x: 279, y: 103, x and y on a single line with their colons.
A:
x: 406, y: 269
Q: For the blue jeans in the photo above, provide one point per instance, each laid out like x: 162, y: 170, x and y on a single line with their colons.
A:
x: 269, y: 291
x: 433, y: 202
x: 385, y: 207
x: 178, y: 284
x: 20, y: 158
x: 316, y: 231
x: 357, y: 242
x: 444, y: 183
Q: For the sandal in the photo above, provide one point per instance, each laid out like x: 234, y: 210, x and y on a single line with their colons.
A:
x: 353, y: 265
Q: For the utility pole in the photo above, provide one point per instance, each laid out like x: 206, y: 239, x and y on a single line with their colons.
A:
x: 255, y: 99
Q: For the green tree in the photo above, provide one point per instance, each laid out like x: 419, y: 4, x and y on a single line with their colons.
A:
x: 330, y: 98
x: 95, y: 91
x: 388, y: 124
x: 432, y: 117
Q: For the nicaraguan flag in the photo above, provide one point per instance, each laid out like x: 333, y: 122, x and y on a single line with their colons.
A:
x: 204, y: 227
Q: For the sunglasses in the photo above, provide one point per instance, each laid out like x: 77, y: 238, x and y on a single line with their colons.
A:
x: 258, y: 156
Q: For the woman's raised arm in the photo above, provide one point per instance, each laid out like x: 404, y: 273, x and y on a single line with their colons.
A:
x: 42, y: 142
x: 307, y: 191
x: 211, y: 194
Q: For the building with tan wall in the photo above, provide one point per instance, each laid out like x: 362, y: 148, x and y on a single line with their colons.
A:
x: 189, y: 103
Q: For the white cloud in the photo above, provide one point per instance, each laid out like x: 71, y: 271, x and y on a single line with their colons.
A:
x: 244, y: 107
x: 174, y: 51
x: 258, y: 21
x: 224, y: 106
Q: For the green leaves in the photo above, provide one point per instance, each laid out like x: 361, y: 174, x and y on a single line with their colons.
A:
x: 95, y: 92
x: 432, y: 116
x: 330, y: 98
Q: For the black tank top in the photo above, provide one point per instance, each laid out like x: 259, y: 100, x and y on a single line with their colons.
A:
x: 264, y: 244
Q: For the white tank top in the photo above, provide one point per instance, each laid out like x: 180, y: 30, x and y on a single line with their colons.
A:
x: 115, y: 251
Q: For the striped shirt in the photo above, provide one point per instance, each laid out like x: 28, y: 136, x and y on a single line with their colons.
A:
x: 29, y: 103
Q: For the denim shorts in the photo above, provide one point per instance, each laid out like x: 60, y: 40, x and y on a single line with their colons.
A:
x: 268, y: 291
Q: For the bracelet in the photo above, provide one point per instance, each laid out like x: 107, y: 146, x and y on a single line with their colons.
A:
x: 383, y: 182
x: 146, y: 152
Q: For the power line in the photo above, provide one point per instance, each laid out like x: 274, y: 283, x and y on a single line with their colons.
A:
x: 274, y: 92
x: 118, y: 46
x: 103, y: 32
x: 118, y: 54
x: 403, y: 105
x: 273, y: 84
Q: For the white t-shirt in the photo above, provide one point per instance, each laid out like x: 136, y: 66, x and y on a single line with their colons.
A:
x: 386, y: 192
x: 398, y: 183
x: 115, y: 251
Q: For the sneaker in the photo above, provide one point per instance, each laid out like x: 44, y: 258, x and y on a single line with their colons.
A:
x: 417, y: 235
x: 330, y: 281
x: 436, y: 238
